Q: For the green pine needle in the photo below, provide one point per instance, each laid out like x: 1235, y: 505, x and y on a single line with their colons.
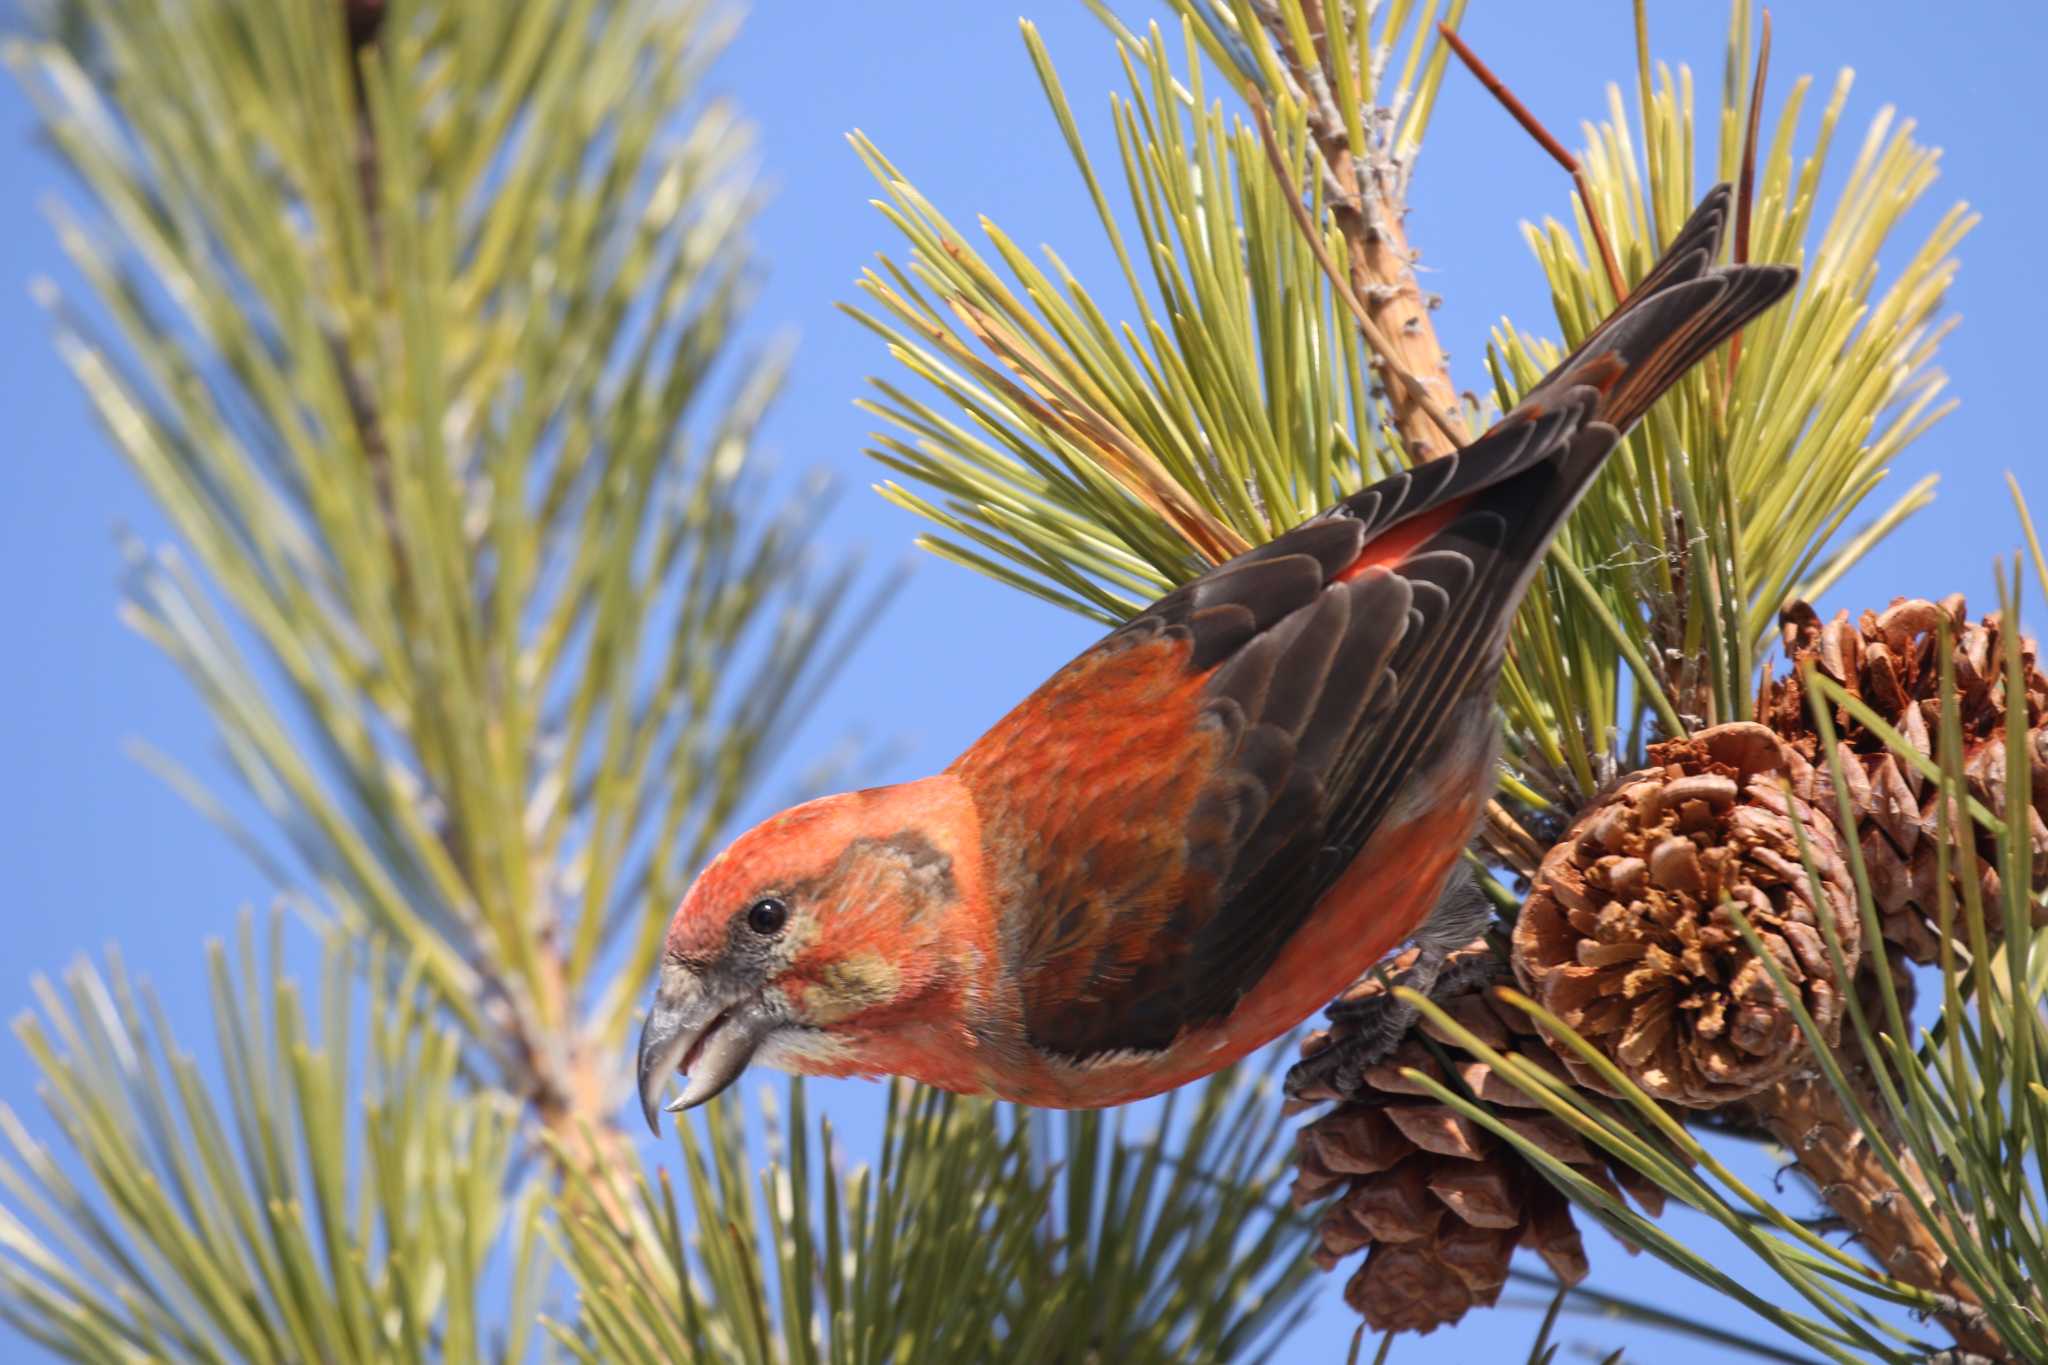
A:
x: 337, y: 1192
x: 985, y: 1232
x: 1096, y: 462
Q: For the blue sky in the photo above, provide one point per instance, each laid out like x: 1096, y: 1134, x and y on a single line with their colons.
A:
x: 96, y: 851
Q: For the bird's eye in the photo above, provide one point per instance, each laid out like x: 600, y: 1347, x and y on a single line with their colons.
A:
x: 767, y: 915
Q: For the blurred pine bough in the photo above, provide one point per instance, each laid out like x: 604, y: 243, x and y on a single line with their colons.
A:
x: 415, y: 318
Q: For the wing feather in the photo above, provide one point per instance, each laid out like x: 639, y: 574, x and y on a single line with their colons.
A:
x: 1220, y: 758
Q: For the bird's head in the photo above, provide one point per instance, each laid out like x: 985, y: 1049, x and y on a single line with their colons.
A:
x: 802, y: 938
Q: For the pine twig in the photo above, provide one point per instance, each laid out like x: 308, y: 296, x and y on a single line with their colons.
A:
x: 1807, y: 1116
x: 1385, y: 351
x: 1368, y: 201
x: 1558, y: 153
x: 1507, y: 838
x: 1746, y: 192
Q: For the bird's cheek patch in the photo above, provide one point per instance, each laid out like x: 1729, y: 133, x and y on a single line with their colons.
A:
x: 847, y: 986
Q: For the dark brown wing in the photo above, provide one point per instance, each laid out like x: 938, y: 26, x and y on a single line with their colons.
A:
x: 1167, y: 810
x: 1181, y: 794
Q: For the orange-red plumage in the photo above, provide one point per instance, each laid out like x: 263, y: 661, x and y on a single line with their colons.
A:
x: 1199, y: 831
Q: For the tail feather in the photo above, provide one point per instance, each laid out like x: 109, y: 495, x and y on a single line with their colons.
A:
x: 1553, y: 442
x: 1496, y: 503
x: 1684, y: 308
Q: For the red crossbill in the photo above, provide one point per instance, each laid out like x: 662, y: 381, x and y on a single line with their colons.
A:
x: 1198, y: 832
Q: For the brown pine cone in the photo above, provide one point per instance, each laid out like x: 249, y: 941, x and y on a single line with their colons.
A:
x: 1623, y: 936
x: 1888, y: 660
x: 1437, y: 1203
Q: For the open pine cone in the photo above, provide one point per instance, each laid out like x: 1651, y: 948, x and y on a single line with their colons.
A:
x: 1625, y: 940
x: 1889, y: 661
x: 1438, y: 1204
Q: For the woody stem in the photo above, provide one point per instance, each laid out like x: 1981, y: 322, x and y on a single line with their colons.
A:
x: 1809, y: 1118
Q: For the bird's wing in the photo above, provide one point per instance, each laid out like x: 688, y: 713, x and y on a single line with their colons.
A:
x: 1188, y: 788
x: 1165, y: 812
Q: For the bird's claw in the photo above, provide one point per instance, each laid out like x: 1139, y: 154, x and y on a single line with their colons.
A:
x: 1374, y: 1025
x: 1370, y: 1031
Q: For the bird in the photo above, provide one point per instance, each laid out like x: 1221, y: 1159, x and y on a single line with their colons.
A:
x: 1209, y: 823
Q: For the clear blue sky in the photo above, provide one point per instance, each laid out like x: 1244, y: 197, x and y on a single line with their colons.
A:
x: 96, y: 852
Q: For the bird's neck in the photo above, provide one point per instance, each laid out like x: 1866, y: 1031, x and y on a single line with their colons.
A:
x: 962, y: 1006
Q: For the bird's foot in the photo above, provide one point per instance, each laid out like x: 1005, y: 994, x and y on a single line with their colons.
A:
x: 1366, y: 1027
x: 1368, y: 1024
x: 1364, y: 1032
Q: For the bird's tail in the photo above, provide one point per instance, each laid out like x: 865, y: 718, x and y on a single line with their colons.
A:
x: 1525, y: 474
x: 1681, y: 310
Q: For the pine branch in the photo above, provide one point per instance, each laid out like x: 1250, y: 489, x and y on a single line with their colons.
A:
x: 328, y: 1196
x: 1206, y: 387
x: 1262, y: 382
x: 1066, y: 1237
x: 1367, y: 167
x: 408, y: 320
x: 464, y: 568
x: 1828, y: 1147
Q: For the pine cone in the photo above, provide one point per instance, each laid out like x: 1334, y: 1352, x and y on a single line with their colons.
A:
x: 1888, y: 660
x: 1623, y: 937
x: 1437, y: 1203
